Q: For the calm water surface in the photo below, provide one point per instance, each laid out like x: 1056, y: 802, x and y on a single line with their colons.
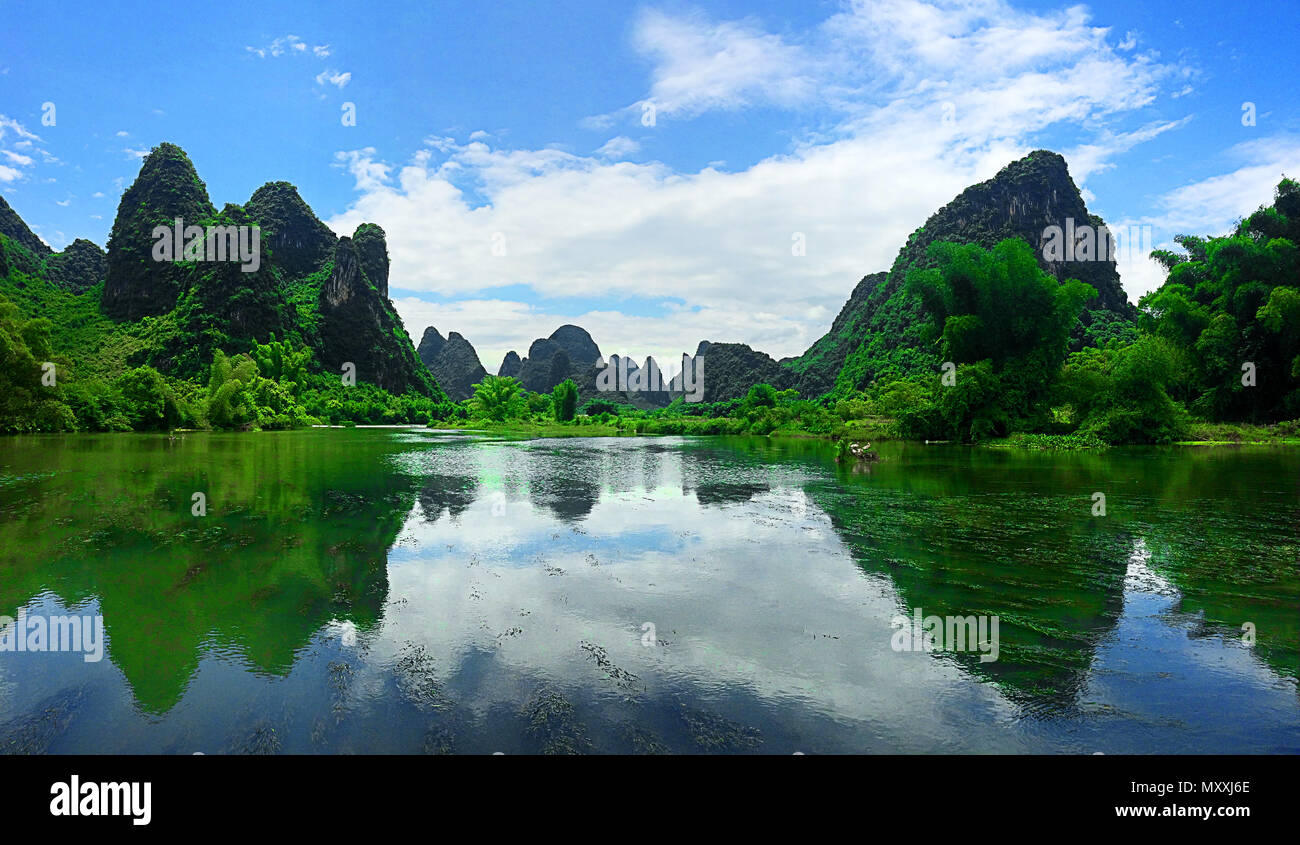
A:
x: 408, y: 591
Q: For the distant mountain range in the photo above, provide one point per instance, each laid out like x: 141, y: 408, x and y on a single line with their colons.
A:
x: 877, y: 332
x: 331, y: 293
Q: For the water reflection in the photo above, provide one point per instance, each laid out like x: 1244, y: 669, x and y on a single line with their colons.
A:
x: 355, y: 591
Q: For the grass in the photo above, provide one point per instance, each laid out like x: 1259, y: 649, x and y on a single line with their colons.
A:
x: 1242, y: 434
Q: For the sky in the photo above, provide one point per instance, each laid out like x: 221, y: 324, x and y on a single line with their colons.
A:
x: 658, y: 173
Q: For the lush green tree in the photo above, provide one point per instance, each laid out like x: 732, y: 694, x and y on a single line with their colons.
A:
x: 759, y: 396
x: 597, y: 407
x: 498, y: 398
x: 27, y: 401
x: 231, y: 383
x: 1121, y: 395
x: 1004, y: 324
x: 280, y: 361
x: 149, y: 402
x: 564, y: 399
x: 1231, y: 306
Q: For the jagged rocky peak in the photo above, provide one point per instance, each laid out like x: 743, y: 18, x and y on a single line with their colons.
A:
x: 345, y: 279
x: 431, y: 344
x: 453, y: 362
x: 542, y: 349
x: 354, y: 263
x: 167, y: 187
x: 80, y: 266
x: 732, y: 368
x: 510, y: 365
x: 874, y: 332
x: 359, y: 327
x: 372, y: 247
x: 569, y: 352
x: 1026, y: 198
x: 300, y: 242
x: 577, y: 342
x: 15, y: 228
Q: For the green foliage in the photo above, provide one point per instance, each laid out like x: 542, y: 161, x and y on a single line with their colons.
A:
x: 149, y: 403
x: 231, y: 385
x: 498, y: 398
x: 1234, y: 301
x: 564, y: 398
x: 282, y: 362
x: 1005, y: 325
x: 760, y: 396
x: 596, y: 407
x: 1122, y: 395
x: 26, y: 404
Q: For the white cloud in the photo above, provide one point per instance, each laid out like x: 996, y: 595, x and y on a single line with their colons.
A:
x: 14, y: 136
x: 286, y: 44
x: 925, y: 98
x: 618, y: 147
x: 10, y: 125
x: 1097, y: 155
x: 333, y: 77
x: 1210, y: 206
x: 702, y: 65
x: 321, y: 51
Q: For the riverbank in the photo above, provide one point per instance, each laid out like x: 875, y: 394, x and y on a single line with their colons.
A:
x: 873, y: 430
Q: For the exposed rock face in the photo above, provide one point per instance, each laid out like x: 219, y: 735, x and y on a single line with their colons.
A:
x: 878, y: 333
x: 730, y: 369
x: 1022, y: 200
x: 16, y: 229
x: 568, y: 353
x: 299, y: 242
x: 372, y: 248
x: 431, y: 344
x: 510, y: 365
x: 358, y: 326
x: 300, y: 284
x: 591, y: 378
x: 577, y: 343
x: 167, y: 187
x: 453, y: 362
x: 80, y: 266
x: 345, y: 282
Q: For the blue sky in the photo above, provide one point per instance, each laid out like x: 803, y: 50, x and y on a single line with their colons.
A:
x: 526, y: 128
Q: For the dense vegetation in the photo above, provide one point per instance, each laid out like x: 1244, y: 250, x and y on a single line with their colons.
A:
x: 1005, y: 334
x: 126, y: 340
x: 988, y: 343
